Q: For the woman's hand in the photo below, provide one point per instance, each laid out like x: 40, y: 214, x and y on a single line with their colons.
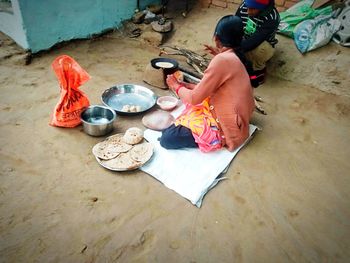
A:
x: 172, y: 82
x: 212, y: 50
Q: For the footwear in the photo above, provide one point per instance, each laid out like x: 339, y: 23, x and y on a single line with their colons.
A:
x: 260, y: 75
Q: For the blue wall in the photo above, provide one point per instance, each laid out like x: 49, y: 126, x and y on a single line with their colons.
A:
x: 47, y: 22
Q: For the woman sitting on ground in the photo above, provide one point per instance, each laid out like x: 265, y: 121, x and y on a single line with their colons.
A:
x: 219, y: 108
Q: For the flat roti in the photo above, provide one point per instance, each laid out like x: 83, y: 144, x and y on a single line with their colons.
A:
x: 118, y: 143
x: 122, y: 162
x: 141, y: 152
x: 164, y: 64
x: 158, y: 120
x: 133, y: 136
x: 105, y: 151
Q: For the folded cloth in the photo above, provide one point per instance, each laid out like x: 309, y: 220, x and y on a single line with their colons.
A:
x: 189, y: 172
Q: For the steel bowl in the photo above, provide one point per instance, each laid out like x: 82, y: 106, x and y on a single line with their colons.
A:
x: 98, y: 120
x: 167, y: 103
x: 119, y: 96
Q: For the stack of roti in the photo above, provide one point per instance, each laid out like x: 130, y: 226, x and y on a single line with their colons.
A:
x: 122, y: 152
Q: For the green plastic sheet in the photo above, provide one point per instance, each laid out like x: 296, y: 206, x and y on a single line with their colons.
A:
x: 298, y: 13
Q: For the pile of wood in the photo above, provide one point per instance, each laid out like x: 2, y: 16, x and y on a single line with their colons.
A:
x: 198, y: 62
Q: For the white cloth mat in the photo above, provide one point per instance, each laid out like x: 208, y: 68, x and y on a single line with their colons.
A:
x: 189, y: 172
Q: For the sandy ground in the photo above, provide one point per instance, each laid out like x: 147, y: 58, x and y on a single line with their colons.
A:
x: 286, y: 198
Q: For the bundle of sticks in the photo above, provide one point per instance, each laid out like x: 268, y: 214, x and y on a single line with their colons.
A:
x: 199, y: 63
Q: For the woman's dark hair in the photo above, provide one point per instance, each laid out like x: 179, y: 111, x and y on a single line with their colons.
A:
x: 229, y: 30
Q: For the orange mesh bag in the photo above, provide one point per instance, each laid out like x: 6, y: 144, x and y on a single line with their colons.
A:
x: 72, y: 101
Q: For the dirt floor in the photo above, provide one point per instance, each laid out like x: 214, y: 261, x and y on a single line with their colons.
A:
x: 286, y: 198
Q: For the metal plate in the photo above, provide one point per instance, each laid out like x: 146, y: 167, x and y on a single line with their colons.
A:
x: 129, y: 94
x: 120, y: 169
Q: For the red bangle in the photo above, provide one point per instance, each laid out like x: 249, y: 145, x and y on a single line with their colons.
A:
x: 178, y: 89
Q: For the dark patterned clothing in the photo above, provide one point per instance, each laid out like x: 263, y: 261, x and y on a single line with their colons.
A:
x: 266, y: 23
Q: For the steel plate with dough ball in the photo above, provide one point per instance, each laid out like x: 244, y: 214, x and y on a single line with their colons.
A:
x: 129, y: 99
